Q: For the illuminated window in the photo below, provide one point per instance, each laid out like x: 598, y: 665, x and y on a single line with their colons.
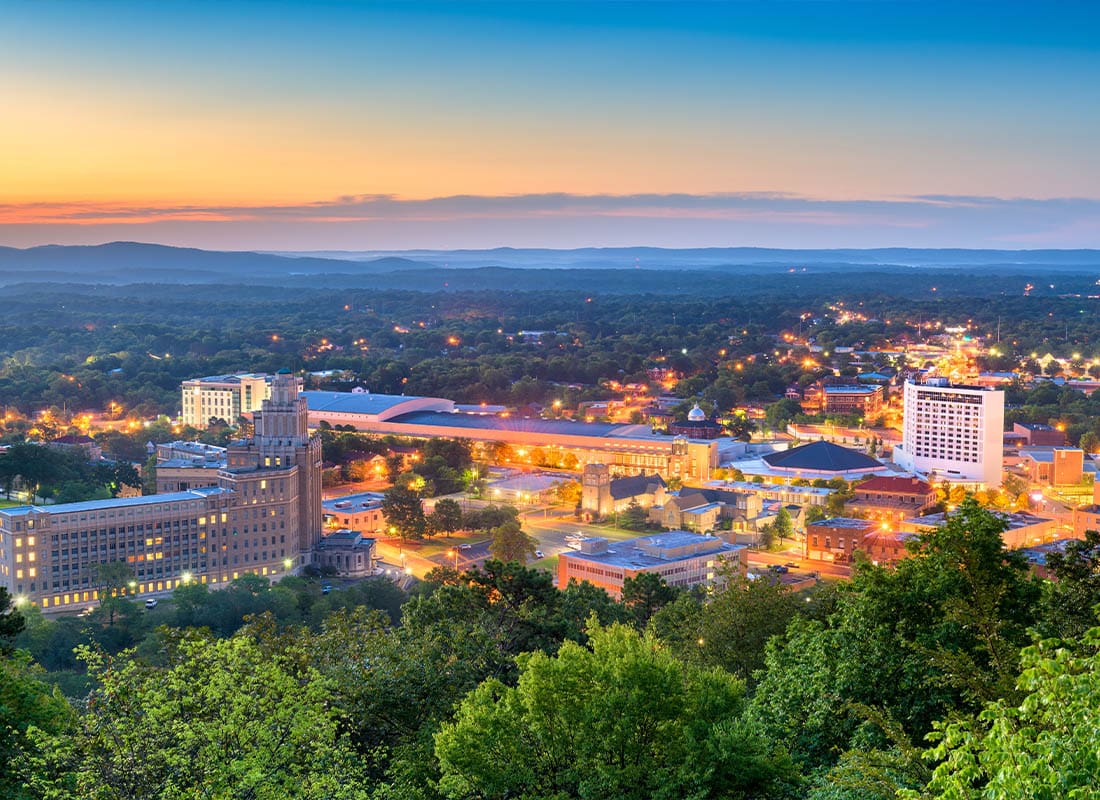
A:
x: 19, y: 574
x: 30, y: 541
x: 32, y: 572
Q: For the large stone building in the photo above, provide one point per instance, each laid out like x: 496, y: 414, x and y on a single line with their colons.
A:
x: 224, y: 397
x: 262, y: 516
x: 953, y: 433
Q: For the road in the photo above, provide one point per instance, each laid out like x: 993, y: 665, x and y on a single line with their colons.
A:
x: 762, y: 558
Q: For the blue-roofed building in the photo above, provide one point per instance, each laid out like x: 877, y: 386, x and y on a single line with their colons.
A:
x: 356, y: 408
x: 624, y: 448
x: 823, y: 460
x: 681, y: 558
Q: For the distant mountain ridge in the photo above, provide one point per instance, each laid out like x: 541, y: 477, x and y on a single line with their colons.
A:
x: 134, y: 263
x: 133, y: 259
x: 704, y: 257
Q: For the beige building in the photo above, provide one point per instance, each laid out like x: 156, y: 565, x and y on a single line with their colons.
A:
x: 702, y: 510
x: 1022, y: 530
x: 602, y: 494
x: 263, y: 516
x: 356, y: 512
x: 349, y: 554
x: 224, y: 397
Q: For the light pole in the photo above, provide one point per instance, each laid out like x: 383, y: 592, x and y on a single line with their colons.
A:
x: 288, y: 564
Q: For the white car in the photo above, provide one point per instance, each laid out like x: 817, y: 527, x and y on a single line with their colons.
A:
x: 539, y: 554
x: 151, y: 602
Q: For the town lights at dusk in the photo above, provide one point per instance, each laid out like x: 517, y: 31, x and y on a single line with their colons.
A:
x: 396, y: 394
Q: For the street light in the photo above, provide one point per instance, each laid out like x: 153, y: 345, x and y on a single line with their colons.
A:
x: 288, y: 563
x: 185, y: 577
x: 133, y: 586
x: 454, y: 553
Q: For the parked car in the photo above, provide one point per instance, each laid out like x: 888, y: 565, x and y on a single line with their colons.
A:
x: 326, y: 588
x: 539, y: 554
x: 151, y: 602
x: 779, y: 568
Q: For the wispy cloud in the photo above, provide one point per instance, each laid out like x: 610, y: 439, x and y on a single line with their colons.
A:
x: 766, y: 218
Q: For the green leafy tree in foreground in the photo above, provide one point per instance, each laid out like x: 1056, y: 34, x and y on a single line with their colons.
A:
x: 11, y: 620
x: 26, y: 702
x: 511, y: 543
x: 645, y: 594
x: 404, y: 510
x: 938, y: 633
x: 1043, y: 746
x: 223, y: 719
x: 446, y: 517
x: 624, y: 719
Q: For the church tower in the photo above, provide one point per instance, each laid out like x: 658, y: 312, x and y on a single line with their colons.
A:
x: 596, y: 489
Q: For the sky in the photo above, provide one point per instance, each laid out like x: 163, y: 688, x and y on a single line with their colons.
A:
x: 341, y: 125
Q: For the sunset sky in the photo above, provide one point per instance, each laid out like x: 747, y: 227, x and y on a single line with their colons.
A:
x: 312, y: 125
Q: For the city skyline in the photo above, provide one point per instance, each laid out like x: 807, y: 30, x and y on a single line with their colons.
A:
x: 392, y: 126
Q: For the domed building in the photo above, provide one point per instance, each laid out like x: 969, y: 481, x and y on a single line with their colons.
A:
x: 697, y: 426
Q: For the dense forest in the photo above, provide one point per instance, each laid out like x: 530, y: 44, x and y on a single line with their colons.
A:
x: 81, y: 347
x: 956, y: 674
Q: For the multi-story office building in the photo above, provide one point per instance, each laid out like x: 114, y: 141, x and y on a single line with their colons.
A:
x: 224, y: 397
x: 953, y: 433
x: 681, y: 558
x: 263, y: 516
x: 829, y: 398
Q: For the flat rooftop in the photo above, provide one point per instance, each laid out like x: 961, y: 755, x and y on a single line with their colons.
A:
x: 844, y: 523
x: 475, y: 422
x: 234, y: 378
x: 115, y: 502
x: 191, y: 463
x: 657, y: 550
x: 358, y: 402
x: 352, y: 502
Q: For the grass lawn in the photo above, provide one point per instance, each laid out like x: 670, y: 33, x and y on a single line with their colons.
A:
x: 10, y: 503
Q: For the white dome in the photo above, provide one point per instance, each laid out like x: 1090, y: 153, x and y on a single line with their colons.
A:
x: 697, y: 414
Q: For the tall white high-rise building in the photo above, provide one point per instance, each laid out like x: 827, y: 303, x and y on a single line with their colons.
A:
x: 953, y: 433
x: 222, y: 397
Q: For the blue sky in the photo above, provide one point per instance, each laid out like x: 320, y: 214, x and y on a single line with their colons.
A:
x: 231, y: 124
